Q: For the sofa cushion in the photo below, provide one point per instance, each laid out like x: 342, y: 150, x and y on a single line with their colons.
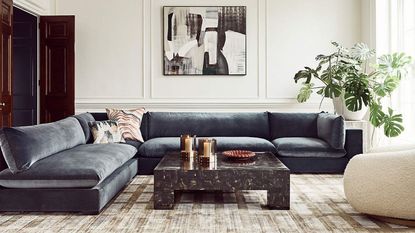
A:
x: 293, y: 125
x: 83, y: 166
x: 84, y: 120
x: 306, y: 147
x: 331, y: 129
x: 173, y: 124
x: 244, y: 143
x: 158, y: 147
x: 23, y: 146
x: 133, y: 143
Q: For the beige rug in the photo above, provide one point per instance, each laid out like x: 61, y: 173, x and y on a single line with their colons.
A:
x: 317, y: 205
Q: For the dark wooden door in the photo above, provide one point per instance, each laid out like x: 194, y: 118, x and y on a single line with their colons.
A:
x: 6, y: 28
x: 57, y: 67
x: 24, y: 68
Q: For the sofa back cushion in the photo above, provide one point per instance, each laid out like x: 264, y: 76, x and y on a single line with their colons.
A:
x: 84, y: 120
x: 331, y: 129
x: 293, y: 125
x: 173, y: 124
x: 23, y: 146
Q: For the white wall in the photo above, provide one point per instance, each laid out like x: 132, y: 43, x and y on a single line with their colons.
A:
x: 38, y: 7
x: 119, y: 54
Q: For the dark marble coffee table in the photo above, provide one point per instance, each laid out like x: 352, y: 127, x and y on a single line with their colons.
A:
x: 265, y: 172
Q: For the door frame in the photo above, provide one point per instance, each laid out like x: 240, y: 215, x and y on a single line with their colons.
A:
x: 37, y: 60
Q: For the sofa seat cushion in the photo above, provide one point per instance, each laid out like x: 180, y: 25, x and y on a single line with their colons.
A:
x: 244, y: 143
x: 158, y: 147
x: 83, y: 166
x: 306, y: 147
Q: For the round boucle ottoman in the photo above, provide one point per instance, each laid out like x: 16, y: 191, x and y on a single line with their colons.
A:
x: 382, y: 184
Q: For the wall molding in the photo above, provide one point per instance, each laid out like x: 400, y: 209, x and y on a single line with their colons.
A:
x: 32, y: 6
x: 286, y: 105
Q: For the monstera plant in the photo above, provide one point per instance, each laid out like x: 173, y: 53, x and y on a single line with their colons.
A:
x: 345, y: 74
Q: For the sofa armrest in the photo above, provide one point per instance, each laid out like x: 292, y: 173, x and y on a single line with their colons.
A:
x: 331, y: 128
x: 354, y: 142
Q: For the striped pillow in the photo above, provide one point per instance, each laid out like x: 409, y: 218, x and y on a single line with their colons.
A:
x: 129, y: 122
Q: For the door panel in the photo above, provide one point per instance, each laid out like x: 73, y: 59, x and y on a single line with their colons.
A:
x: 25, y: 68
x: 57, y: 73
x: 6, y: 29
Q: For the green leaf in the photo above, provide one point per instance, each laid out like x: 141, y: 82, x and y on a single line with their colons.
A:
x: 362, y: 52
x: 376, y: 115
x: 305, y: 92
x: 302, y: 74
x: 393, y: 124
x: 387, y: 87
x: 357, y: 93
x: 332, y: 90
x: 394, y: 64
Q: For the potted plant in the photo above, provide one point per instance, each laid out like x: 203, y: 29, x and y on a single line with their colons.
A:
x: 344, y: 76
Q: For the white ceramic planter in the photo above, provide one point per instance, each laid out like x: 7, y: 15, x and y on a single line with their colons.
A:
x: 341, y: 109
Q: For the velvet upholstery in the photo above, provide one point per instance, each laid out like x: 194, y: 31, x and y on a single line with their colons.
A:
x: 83, y: 166
x: 173, y: 124
x: 306, y: 147
x: 87, y: 201
x: 293, y: 125
x: 84, y: 120
x: 353, y: 146
x: 244, y: 143
x: 23, y: 146
x: 158, y: 147
x: 331, y: 129
x: 135, y: 144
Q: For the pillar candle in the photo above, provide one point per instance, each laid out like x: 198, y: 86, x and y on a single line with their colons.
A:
x: 207, y: 148
x: 188, y: 145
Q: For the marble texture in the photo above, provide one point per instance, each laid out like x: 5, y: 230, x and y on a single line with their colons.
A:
x: 265, y: 172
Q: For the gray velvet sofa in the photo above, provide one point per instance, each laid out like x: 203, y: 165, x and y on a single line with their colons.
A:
x: 51, y: 167
x: 55, y: 166
x: 305, y: 142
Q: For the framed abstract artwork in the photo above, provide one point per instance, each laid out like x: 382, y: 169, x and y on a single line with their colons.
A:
x: 208, y: 40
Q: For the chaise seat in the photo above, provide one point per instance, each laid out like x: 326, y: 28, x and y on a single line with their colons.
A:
x: 306, y: 147
x: 83, y: 166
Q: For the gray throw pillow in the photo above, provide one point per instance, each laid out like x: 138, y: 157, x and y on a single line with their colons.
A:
x: 23, y: 146
x: 331, y: 129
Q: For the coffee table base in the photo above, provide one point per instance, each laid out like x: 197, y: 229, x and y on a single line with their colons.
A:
x: 276, y: 200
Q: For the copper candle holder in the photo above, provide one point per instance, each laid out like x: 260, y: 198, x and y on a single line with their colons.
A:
x: 201, y: 146
x: 187, y: 146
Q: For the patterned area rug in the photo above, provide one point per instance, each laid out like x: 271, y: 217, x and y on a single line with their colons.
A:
x: 317, y: 205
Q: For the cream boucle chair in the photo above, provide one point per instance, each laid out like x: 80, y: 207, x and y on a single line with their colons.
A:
x: 382, y: 183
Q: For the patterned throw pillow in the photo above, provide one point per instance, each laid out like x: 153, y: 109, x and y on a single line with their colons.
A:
x: 129, y: 122
x: 105, y: 132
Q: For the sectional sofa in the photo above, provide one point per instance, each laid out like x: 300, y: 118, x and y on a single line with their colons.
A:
x: 55, y: 166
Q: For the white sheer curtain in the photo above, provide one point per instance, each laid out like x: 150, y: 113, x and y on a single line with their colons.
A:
x: 395, y: 32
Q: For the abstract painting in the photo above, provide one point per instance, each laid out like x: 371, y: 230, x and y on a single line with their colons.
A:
x: 205, y: 40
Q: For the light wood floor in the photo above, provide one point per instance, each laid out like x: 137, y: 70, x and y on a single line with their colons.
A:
x: 317, y: 205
